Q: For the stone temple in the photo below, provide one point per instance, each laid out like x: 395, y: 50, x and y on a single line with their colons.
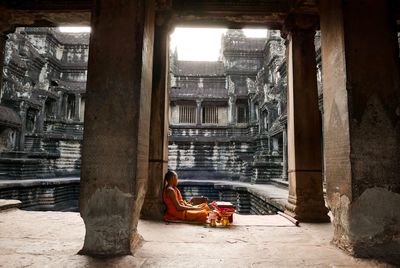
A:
x: 228, y: 117
x: 43, y: 99
x: 303, y: 122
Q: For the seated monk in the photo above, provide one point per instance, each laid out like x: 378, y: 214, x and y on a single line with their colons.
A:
x: 179, y: 209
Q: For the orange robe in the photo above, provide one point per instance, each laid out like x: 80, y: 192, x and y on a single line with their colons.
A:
x: 184, y: 215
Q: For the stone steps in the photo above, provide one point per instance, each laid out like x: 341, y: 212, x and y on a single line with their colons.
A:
x: 31, y: 168
x: 61, y: 128
x: 25, y: 168
x: 58, y: 197
x: 32, y: 144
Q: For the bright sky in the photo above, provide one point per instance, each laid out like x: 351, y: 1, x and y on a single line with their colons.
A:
x: 202, y: 44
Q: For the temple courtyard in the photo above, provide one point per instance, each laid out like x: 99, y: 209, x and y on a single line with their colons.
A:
x: 53, y: 239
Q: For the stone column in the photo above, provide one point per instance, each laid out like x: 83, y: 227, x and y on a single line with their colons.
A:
x: 252, y: 111
x: 284, y: 155
x: 3, y: 40
x: 360, y: 69
x: 198, y: 112
x: 82, y: 109
x: 77, y: 107
x: 232, y: 110
x: 266, y: 130
x: 22, y: 132
x: 41, y: 115
x: 64, y: 105
x: 275, y: 146
x: 159, y: 124
x: 117, y: 121
x: 306, y: 200
x: 59, y: 105
x: 269, y: 143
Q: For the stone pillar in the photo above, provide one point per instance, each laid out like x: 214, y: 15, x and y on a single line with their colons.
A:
x: 59, y: 107
x: 232, y: 110
x: 306, y: 200
x: 117, y: 121
x: 22, y: 132
x: 64, y: 105
x: 275, y: 146
x: 198, y: 112
x: 82, y: 108
x: 269, y: 143
x: 266, y: 130
x: 153, y: 207
x: 3, y: 40
x: 284, y: 155
x: 252, y: 111
x: 360, y: 69
x: 41, y: 115
x: 77, y: 107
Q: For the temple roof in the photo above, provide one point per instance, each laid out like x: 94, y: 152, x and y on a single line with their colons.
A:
x: 8, y: 117
x: 63, y: 38
x: 199, y: 68
x: 238, y: 43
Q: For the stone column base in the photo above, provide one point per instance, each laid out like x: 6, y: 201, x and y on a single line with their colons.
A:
x: 306, y: 200
x: 307, y: 213
x: 152, y: 209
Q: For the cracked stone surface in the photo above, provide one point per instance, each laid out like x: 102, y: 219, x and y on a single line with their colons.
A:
x: 52, y: 239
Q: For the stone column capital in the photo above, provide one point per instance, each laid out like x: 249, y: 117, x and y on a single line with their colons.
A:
x: 232, y: 98
x: 299, y: 24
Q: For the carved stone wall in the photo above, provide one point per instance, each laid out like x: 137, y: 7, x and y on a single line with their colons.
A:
x: 249, y: 84
x: 44, y: 82
x: 246, y: 83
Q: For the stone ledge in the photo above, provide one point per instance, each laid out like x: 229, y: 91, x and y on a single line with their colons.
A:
x: 272, y: 194
x: 5, y: 184
x: 280, y: 183
x: 9, y: 204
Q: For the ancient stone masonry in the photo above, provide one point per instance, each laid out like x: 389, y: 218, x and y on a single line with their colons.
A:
x: 228, y: 117
x: 44, y: 82
x: 42, y: 103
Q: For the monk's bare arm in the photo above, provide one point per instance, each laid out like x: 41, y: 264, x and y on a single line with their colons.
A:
x: 178, y: 206
x: 187, y: 203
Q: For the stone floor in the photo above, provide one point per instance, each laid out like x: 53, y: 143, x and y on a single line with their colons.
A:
x: 52, y: 239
